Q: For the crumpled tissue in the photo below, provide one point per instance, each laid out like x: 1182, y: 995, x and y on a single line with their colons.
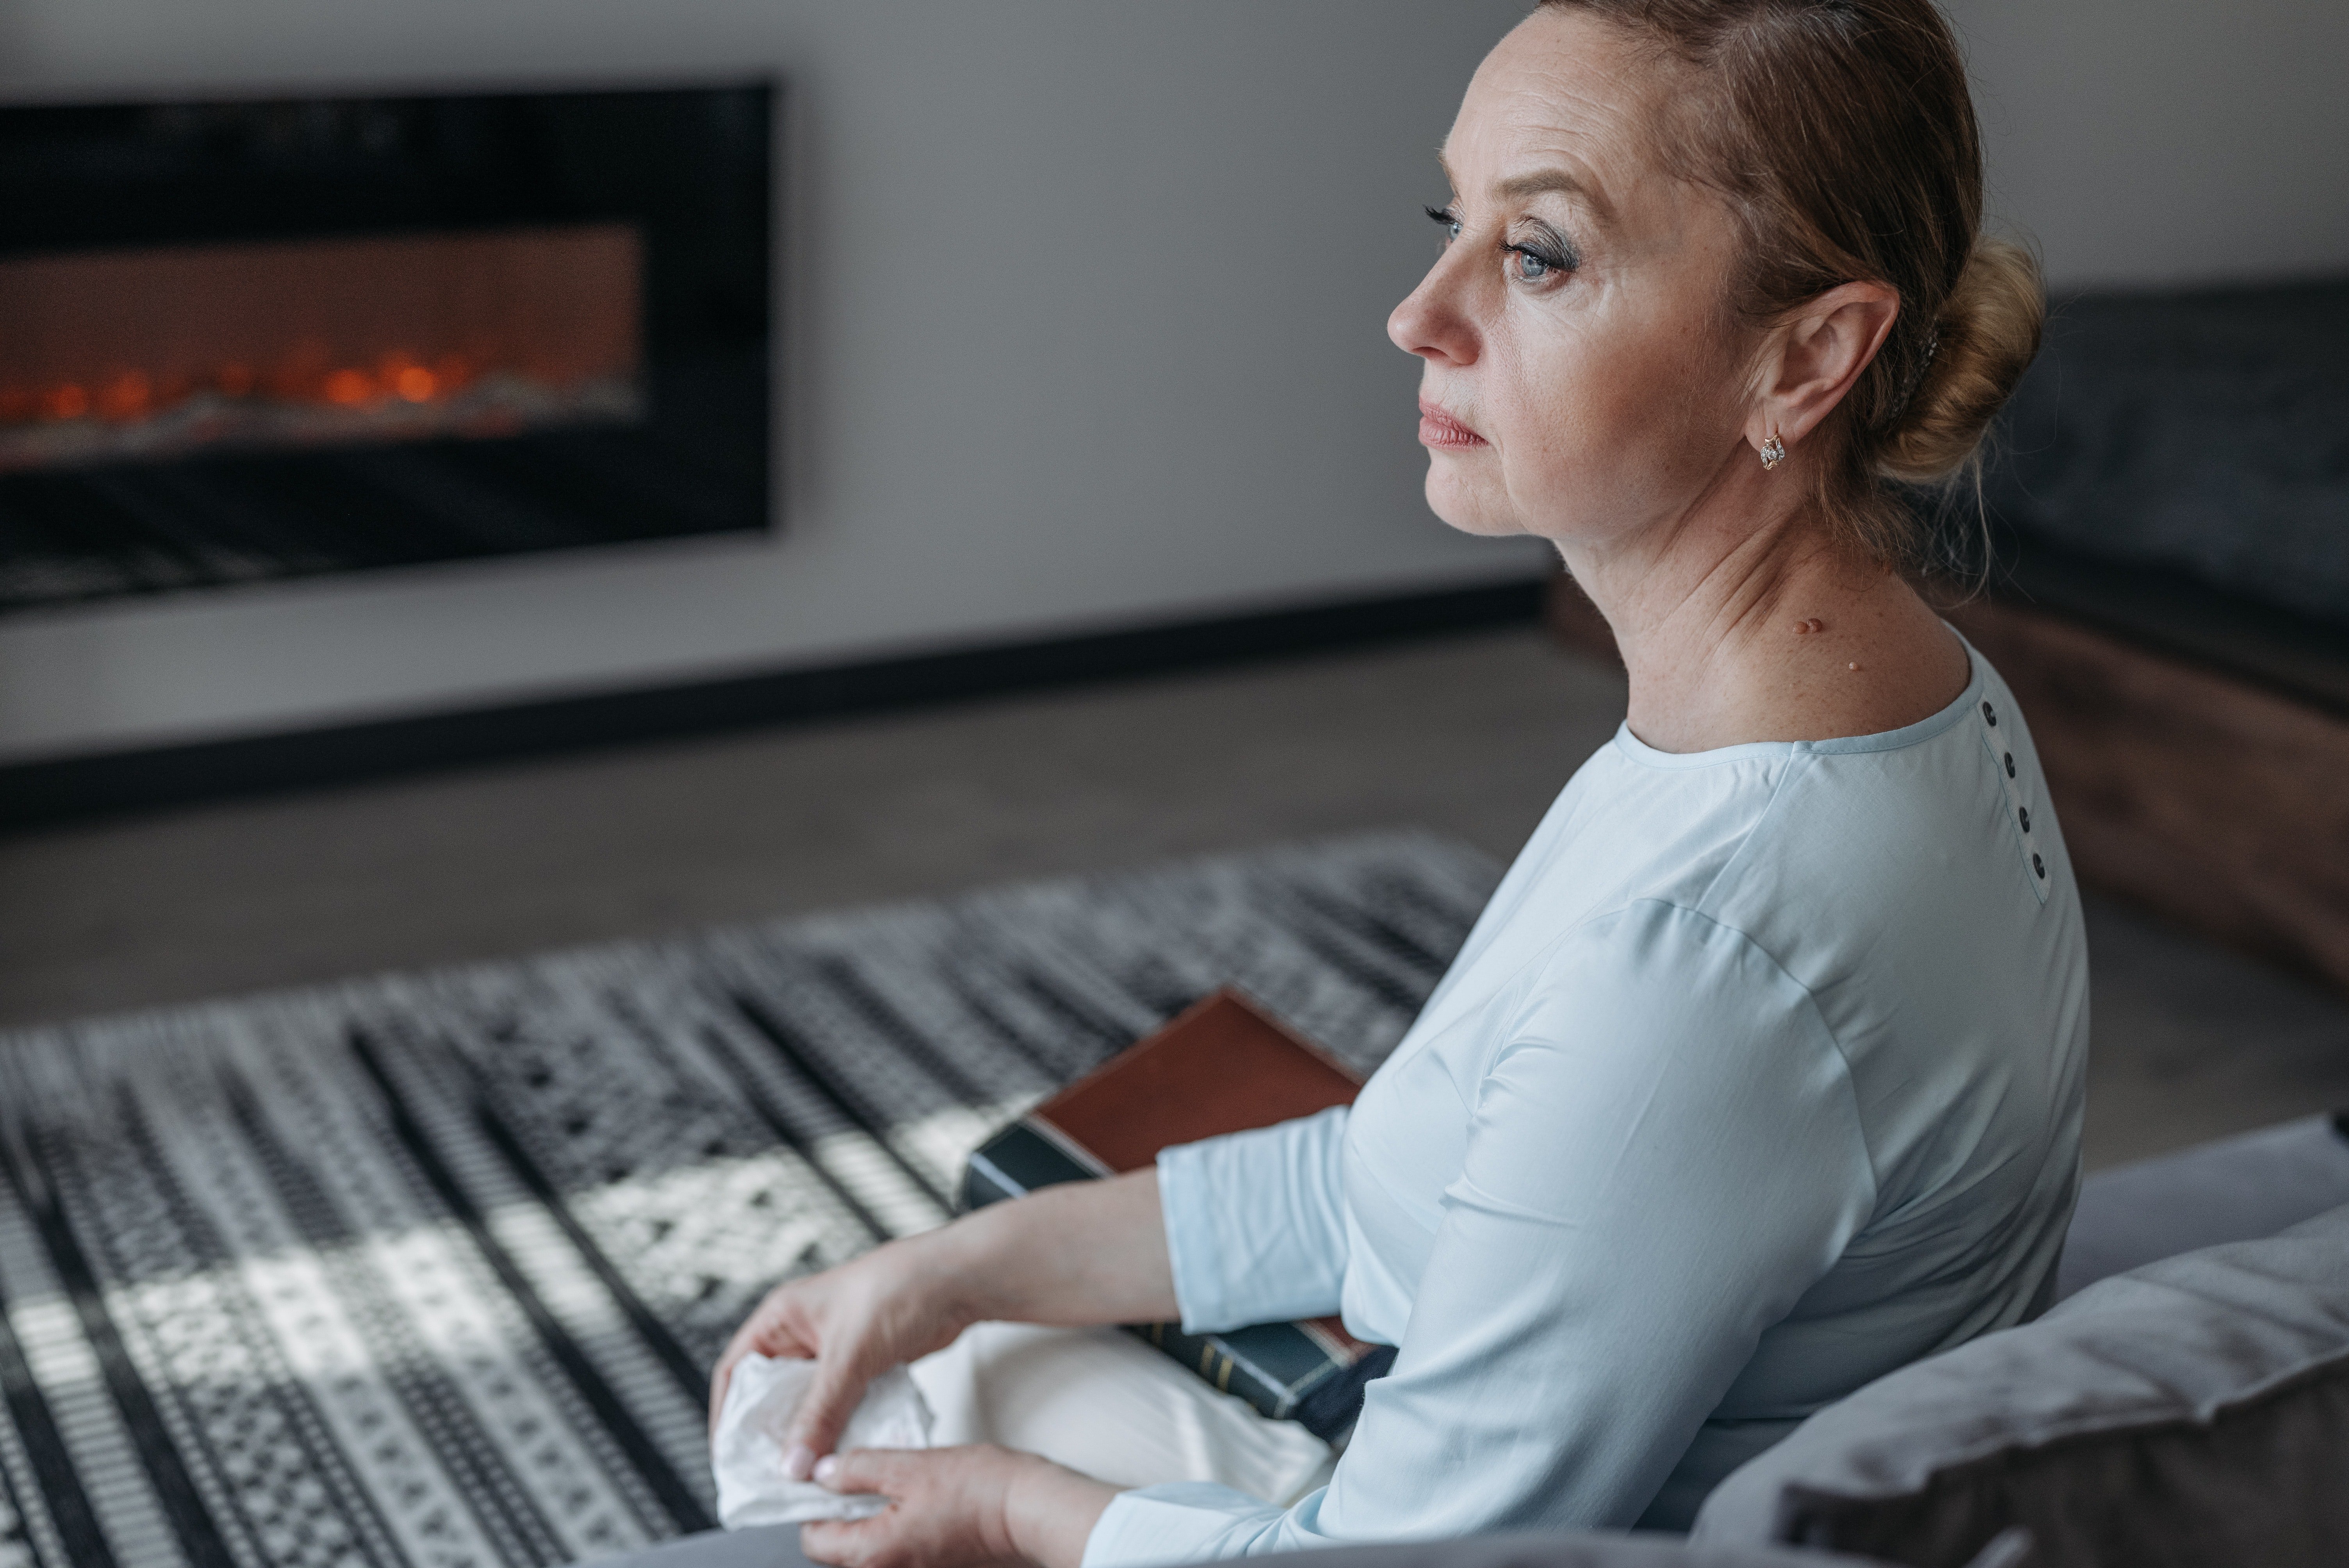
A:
x: 746, y: 1452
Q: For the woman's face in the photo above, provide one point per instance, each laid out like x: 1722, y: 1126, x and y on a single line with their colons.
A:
x: 1583, y: 378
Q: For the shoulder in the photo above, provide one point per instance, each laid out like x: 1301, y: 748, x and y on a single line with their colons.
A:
x: 1657, y: 1033
x: 1664, y: 983
x: 1901, y: 865
x: 1640, y: 824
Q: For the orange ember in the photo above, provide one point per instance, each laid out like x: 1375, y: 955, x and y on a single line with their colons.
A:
x: 126, y: 398
x: 166, y: 348
x: 350, y: 387
x: 135, y: 395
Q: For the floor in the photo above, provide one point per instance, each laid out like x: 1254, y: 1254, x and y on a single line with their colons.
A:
x: 1468, y: 736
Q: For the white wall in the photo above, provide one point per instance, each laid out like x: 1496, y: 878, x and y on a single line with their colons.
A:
x: 2165, y: 142
x: 1084, y: 303
x: 1086, y: 313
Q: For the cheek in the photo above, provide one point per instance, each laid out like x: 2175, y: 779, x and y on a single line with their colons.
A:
x: 1608, y: 424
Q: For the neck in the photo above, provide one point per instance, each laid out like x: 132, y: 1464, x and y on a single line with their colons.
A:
x: 1733, y: 632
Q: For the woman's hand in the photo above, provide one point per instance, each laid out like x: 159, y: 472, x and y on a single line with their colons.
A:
x: 957, y: 1508
x: 1083, y: 1253
x: 895, y: 1303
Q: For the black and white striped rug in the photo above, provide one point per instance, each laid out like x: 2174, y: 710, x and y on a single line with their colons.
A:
x: 430, y: 1270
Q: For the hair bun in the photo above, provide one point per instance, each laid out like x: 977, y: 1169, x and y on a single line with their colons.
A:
x: 1989, y: 330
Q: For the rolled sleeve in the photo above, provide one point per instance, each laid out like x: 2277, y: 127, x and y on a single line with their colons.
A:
x: 1255, y: 1223
x: 1187, y: 1522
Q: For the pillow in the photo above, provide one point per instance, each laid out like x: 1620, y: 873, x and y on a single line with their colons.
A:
x: 1577, y: 1550
x: 2193, y: 1411
x: 777, y: 1546
x: 2230, y: 1189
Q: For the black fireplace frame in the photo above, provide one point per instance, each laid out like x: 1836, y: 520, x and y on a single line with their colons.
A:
x: 690, y: 164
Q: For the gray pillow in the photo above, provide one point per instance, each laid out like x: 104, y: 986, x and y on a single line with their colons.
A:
x: 2193, y: 1411
x: 777, y: 1546
x: 2231, y: 1190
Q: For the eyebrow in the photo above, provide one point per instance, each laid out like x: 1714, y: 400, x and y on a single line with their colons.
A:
x: 1542, y: 183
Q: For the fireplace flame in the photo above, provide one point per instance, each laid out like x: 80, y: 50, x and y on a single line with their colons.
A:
x: 134, y: 396
x: 163, y: 352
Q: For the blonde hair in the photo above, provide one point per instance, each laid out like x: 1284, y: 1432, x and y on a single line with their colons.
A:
x: 1842, y: 134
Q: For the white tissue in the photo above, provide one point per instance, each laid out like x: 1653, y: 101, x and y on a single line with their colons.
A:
x: 746, y: 1452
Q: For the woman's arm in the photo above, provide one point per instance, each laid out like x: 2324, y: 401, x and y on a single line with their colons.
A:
x: 1265, y: 1238
x: 1664, y: 1154
x: 1249, y: 1228
x: 1075, y: 1255
x: 1084, y: 1253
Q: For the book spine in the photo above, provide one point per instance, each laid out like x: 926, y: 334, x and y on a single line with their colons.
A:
x: 1329, y: 1408
x: 1281, y: 1369
x: 1284, y: 1369
x: 1213, y: 1357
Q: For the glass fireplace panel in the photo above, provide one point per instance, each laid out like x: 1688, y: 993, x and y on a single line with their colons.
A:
x: 172, y: 351
x: 254, y: 338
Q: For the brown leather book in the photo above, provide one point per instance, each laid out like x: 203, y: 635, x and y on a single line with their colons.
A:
x: 1223, y: 1065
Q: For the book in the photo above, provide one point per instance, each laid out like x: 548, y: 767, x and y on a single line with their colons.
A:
x: 1223, y: 1065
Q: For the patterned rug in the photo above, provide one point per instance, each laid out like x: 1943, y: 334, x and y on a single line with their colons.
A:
x: 430, y: 1269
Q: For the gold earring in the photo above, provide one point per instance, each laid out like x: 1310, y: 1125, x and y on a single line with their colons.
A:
x: 1774, y: 451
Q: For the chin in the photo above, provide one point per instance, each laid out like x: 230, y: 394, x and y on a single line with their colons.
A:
x: 1467, y: 505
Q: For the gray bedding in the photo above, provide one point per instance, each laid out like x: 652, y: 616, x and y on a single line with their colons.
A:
x: 2205, y: 433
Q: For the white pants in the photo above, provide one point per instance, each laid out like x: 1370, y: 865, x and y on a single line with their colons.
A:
x: 1104, y: 1403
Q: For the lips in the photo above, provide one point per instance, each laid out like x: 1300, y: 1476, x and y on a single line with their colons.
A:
x: 1440, y: 430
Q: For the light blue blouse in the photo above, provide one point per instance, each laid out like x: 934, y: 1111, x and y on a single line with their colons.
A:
x: 1759, y: 1077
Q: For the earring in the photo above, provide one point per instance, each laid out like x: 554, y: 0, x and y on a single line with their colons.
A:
x: 1774, y: 451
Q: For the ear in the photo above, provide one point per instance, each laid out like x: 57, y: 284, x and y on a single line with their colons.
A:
x: 1813, y: 358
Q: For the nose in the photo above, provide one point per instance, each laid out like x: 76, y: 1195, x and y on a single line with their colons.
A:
x: 1432, y: 322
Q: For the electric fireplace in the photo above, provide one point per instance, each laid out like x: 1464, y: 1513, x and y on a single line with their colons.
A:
x: 250, y: 339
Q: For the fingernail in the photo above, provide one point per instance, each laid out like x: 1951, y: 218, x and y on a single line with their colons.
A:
x: 799, y: 1460
x: 826, y: 1468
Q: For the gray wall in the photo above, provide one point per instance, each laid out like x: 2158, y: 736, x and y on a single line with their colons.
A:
x: 1086, y: 308
x: 1085, y: 302
x: 2153, y: 142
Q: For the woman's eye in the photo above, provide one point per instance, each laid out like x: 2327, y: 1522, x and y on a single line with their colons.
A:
x: 1529, y: 265
x: 1446, y: 221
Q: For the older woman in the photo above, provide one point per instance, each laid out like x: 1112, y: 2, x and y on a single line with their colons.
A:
x: 1760, y: 1077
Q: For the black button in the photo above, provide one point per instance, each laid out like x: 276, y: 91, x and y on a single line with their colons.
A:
x: 2040, y: 866
x: 2009, y: 764
x: 2024, y: 811
x: 1991, y: 713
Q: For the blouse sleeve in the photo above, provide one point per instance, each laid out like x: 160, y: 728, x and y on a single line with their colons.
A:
x: 1255, y: 1224
x: 1664, y: 1153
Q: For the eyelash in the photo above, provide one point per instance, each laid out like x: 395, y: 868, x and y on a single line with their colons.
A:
x: 1562, y: 259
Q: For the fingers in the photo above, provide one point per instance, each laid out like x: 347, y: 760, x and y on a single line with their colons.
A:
x: 946, y: 1506
x: 823, y: 1412
x: 883, y: 1470
x: 839, y: 1542
x: 849, y: 1542
x: 771, y: 1330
